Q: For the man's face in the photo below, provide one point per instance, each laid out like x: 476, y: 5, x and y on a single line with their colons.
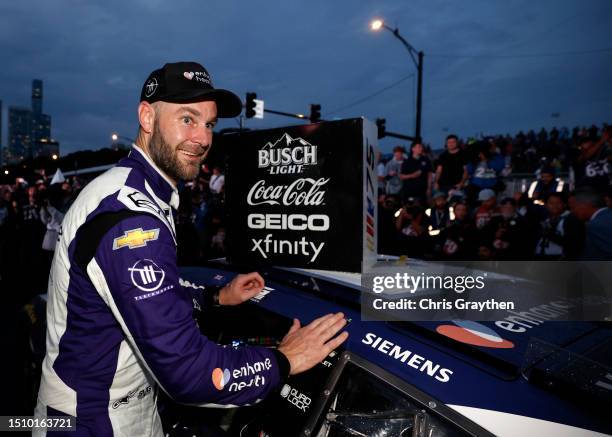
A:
x: 460, y: 211
x: 451, y: 144
x: 547, y: 178
x: 439, y: 202
x: 555, y: 206
x: 182, y: 136
x: 582, y: 210
x: 507, y: 210
x: 490, y: 203
x: 398, y: 155
x: 417, y: 149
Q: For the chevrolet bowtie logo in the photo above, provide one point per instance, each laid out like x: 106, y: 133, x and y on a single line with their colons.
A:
x: 135, y: 238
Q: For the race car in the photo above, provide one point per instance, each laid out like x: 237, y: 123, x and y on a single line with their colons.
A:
x: 434, y: 379
x: 417, y: 378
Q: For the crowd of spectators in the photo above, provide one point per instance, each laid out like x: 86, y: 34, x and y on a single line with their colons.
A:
x: 453, y: 206
x: 458, y: 208
x: 31, y: 214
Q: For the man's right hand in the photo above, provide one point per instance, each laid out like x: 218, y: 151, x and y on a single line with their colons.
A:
x: 308, y: 346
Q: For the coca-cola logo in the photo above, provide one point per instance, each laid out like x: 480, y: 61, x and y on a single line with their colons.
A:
x: 303, y: 191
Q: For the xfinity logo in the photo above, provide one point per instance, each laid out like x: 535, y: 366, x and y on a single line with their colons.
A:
x: 287, y: 155
x: 268, y: 245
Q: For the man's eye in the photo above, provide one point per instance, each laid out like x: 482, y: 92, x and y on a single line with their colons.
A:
x: 187, y: 120
x: 210, y: 125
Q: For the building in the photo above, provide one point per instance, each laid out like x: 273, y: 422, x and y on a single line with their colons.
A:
x: 19, y: 133
x: 30, y: 129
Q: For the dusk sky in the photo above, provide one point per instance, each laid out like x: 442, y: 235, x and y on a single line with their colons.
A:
x: 490, y: 66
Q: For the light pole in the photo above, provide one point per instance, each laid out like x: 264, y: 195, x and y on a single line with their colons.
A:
x: 378, y: 24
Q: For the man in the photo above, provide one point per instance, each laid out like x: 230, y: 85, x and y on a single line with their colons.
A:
x: 487, y: 209
x: 547, y: 184
x: 593, y: 167
x: 217, y: 181
x: 416, y: 175
x: 119, y: 318
x: 393, y: 169
x: 484, y: 171
x: 561, y: 233
x: 459, y: 239
x: 439, y: 215
x: 589, y: 207
x: 508, y: 233
x: 451, y: 170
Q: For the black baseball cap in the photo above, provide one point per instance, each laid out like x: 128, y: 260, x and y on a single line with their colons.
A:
x: 188, y: 82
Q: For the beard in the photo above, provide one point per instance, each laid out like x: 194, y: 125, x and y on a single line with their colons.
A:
x: 166, y: 157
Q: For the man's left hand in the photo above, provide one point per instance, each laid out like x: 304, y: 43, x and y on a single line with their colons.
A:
x: 241, y: 288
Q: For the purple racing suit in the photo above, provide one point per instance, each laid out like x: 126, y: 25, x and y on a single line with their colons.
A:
x: 120, y: 321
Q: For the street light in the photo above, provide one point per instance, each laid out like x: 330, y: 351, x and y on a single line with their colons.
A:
x: 378, y: 24
x: 54, y: 157
x: 115, y: 136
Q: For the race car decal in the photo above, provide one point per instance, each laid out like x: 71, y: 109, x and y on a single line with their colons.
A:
x: 475, y: 334
x: 135, y: 238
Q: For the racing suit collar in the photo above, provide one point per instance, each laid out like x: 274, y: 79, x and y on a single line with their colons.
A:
x: 162, y: 185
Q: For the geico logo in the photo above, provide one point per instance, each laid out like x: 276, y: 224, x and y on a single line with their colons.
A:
x: 294, y: 222
x: 298, y: 155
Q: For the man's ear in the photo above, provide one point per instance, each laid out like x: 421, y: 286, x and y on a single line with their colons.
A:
x: 146, y: 116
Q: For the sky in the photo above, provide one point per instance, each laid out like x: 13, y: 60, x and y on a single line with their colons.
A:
x: 490, y: 66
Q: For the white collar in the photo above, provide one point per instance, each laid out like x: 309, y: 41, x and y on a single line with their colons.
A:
x: 152, y: 164
x: 174, y: 198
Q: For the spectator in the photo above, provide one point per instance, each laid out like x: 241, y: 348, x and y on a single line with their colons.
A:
x: 412, y: 227
x: 387, y: 206
x: 562, y: 234
x: 51, y: 214
x: 416, y: 175
x: 393, y: 169
x: 217, y: 181
x: 484, y: 170
x: 487, y: 210
x: 547, y: 184
x: 439, y: 215
x: 380, y: 173
x: 459, y: 238
x: 593, y: 166
x: 451, y: 171
x: 589, y: 207
x: 509, y: 236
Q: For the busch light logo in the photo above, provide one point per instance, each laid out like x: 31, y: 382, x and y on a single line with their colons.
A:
x: 287, y: 156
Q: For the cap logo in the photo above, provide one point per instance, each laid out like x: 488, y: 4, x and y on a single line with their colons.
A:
x: 150, y: 87
x: 188, y: 74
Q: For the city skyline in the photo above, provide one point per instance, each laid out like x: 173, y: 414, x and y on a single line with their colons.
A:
x: 29, y: 130
x: 490, y: 68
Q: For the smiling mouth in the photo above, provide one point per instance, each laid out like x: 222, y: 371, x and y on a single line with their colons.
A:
x: 191, y: 155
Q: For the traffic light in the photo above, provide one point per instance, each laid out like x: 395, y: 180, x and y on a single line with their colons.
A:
x: 250, y: 105
x: 315, y: 113
x: 382, y: 129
